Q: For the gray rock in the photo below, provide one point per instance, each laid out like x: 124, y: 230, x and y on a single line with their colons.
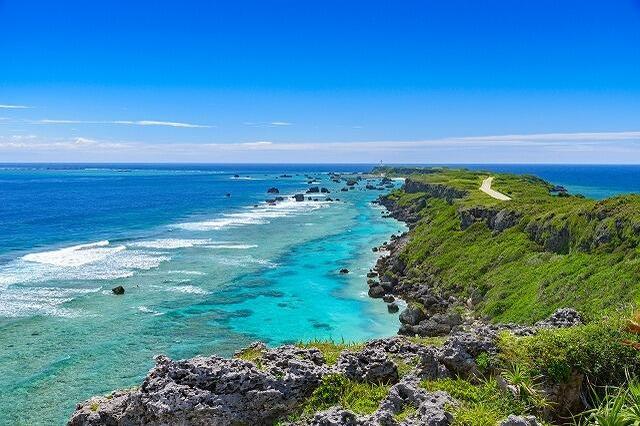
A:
x: 450, y: 318
x: 514, y: 420
x: 392, y: 307
x: 412, y: 315
x: 205, y: 391
x: 431, y: 328
x: 376, y: 291
x: 459, y: 352
x: 369, y: 365
x: 565, y: 317
x: 388, y: 298
x: 335, y: 416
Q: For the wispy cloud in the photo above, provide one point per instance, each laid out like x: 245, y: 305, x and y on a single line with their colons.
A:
x: 127, y: 123
x: 578, y: 136
x: 161, y: 123
x: 268, y: 124
x: 9, y: 106
x: 621, y: 147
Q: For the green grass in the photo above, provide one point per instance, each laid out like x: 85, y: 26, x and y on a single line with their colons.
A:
x: 407, y: 411
x: 336, y: 389
x: 483, y: 404
x: 520, y: 278
x: 428, y: 341
x: 618, y: 406
x: 330, y: 350
x: 252, y: 355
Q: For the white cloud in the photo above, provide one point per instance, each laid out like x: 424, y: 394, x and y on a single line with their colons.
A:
x: 6, y: 106
x: 581, y: 136
x: 608, y: 147
x: 161, y: 123
x: 127, y: 123
x: 269, y: 124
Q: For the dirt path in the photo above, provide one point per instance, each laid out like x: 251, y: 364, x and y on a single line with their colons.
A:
x: 486, y: 188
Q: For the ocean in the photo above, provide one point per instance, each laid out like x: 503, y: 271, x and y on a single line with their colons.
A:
x: 204, y: 272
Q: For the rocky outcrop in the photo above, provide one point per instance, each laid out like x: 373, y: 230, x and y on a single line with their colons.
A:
x: 212, y: 390
x: 553, y: 238
x: 273, y: 190
x: 496, y: 219
x: 564, y: 317
x: 369, y: 365
x: 435, y: 190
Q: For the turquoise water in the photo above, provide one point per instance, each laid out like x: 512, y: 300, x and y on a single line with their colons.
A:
x: 204, y: 273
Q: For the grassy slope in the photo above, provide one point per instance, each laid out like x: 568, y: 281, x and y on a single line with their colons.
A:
x: 520, y: 280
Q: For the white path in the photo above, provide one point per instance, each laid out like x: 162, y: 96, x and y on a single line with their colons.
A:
x: 486, y: 188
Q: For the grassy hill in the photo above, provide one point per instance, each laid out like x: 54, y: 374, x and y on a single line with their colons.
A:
x: 525, y: 257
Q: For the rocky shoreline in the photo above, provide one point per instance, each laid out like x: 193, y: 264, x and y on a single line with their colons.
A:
x: 264, y: 386
x: 272, y: 386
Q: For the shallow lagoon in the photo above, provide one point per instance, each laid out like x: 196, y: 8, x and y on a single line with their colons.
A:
x: 204, y: 274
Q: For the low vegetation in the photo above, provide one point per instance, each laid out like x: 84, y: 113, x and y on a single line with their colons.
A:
x: 562, y: 251
x: 480, y: 404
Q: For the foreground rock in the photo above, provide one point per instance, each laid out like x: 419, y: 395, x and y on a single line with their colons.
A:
x: 219, y: 391
x: 205, y: 391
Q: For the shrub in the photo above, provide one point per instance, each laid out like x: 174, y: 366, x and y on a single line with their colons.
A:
x: 600, y: 350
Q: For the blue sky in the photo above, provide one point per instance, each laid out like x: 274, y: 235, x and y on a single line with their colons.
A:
x: 331, y: 81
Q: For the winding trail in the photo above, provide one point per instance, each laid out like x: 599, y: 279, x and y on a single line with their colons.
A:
x: 486, y: 188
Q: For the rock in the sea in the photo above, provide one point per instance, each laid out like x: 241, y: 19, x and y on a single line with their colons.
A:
x: 344, y: 271
x: 376, y: 291
x: 388, y: 298
x: 372, y: 274
x: 273, y: 190
x: 392, y: 308
x: 299, y: 197
x: 118, y: 290
x: 313, y: 190
x: 324, y: 190
x: 369, y: 365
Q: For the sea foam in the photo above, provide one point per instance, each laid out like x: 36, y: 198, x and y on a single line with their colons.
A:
x: 94, y: 261
x: 169, y: 243
x: 260, y: 215
x: 27, y: 301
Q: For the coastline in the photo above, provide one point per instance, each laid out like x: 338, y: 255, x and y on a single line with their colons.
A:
x: 442, y: 335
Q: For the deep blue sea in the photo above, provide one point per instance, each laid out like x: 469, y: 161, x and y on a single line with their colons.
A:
x: 204, y: 272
